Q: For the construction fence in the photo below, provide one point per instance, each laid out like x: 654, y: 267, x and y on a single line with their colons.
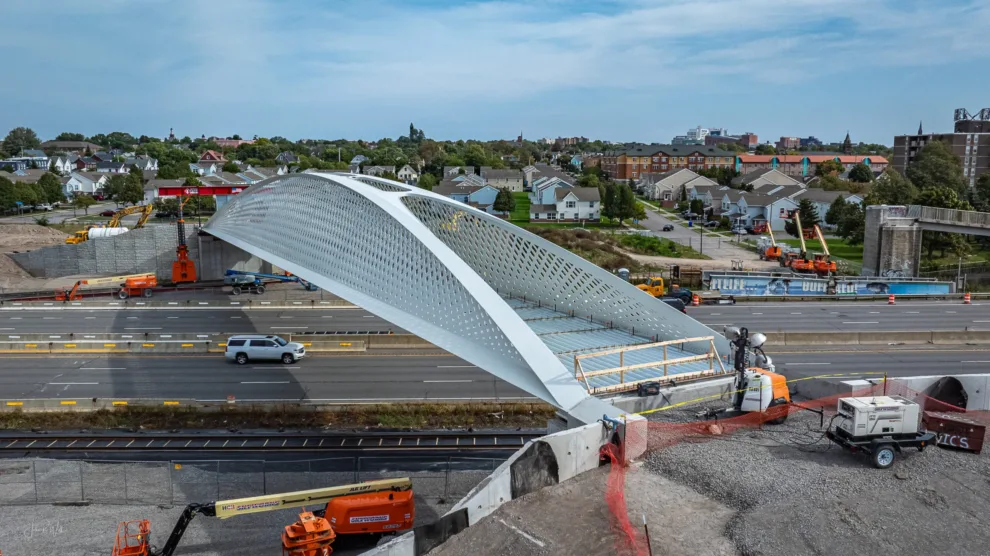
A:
x: 51, y: 481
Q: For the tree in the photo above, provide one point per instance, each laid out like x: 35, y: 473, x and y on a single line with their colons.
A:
x: 114, y: 188
x: 6, y: 194
x: 27, y: 194
x: 697, y: 206
x: 936, y: 166
x: 230, y: 167
x: 389, y: 176
x: 627, y: 204
x: 609, y: 197
x: 169, y: 206
x: 83, y: 202
x: 829, y: 167
x: 133, y: 190
x: 588, y: 180
x: 861, y: 173
x: 505, y: 202
x: 809, y: 217
x: 427, y: 181
x: 51, y: 188
x: 892, y: 189
x: 981, y: 193
x: 766, y: 149
x: 837, y: 211
x: 852, y: 226
x: 723, y: 176
x: 66, y: 136
x: 18, y: 139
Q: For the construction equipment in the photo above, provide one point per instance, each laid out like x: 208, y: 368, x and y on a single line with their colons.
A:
x: 255, y: 281
x: 879, y: 426
x: 799, y: 262
x: 183, y: 269
x: 824, y: 265
x: 134, y: 284
x: 83, y: 235
x: 757, y: 388
x: 771, y: 252
x: 653, y: 286
x: 364, y: 511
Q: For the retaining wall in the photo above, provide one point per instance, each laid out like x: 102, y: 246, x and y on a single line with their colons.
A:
x: 150, y: 249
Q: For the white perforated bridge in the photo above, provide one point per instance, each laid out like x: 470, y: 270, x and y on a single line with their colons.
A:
x: 440, y: 270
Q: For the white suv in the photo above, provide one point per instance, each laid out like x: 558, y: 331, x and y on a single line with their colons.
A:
x: 256, y: 347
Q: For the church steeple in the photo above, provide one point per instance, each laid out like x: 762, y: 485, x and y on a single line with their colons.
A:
x: 847, y: 146
x: 920, y: 131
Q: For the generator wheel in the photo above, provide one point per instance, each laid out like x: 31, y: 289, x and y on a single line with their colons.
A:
x: 883, y: 456
x: 783, y: 418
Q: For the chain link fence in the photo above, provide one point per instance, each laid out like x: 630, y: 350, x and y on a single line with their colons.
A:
x: 44, y: 481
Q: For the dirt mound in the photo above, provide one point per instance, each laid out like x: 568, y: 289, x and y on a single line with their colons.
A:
x: 28, y: 236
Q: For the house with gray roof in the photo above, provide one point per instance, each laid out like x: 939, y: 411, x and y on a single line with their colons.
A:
x: 571, y: 204
x: 504, y: 179
x: 378, y: 170
x: 667, y: 186
x: 760, y: 178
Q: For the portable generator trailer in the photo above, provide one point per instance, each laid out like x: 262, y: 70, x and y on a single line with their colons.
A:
x: 880, y: 426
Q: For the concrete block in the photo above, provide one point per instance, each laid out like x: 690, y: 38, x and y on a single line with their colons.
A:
x: 403, y: 545
x: 961, y: 337
x: 820, y: 339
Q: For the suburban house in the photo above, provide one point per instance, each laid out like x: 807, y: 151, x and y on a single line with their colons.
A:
x: 762, y: 177
x: 707, y: 193
x: 86, y: 163
x: 13, y: 165
x: 570, y: 205
x: 151, y: 188
x: 142, y: 163
x: 29, y: 175
x: 287, y: 157
x: 544, y: 170
x: 63, y: 164
x: 454, y: 170
x: 481, y: 197
x: 359, y: 159
x: 90, y: 183
x: 202, y: 168
x: 378, y: 170
x: 823, y: 199
x: 667, y: 186
x: 504, y: 179
x: 543, y: 192
x: 102, y: 156
x: 33, y: 158
x: 264, y: 173
x: 111, y: 167
x: 746, y: 208
x: 407, y: 174
x: 212, y: 156
x: 463, y: 180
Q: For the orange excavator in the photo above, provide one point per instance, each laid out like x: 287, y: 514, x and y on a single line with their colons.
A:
x: 183, y: 269
x: 824, y: 265
x: 364, y: 511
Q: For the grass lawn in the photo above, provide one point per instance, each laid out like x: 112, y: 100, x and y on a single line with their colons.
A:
x: 521, y: 212
x: 838, y: 247
x: 649, y: 245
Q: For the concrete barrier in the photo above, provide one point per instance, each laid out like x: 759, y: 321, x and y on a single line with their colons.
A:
x: 119, y: 304
x: 887, y: 338
x: 945, y: 337
x: 820, y: 338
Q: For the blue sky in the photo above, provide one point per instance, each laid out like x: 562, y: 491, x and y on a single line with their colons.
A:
x: 623, y: 70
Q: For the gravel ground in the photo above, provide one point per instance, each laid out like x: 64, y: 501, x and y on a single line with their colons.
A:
x: 795, y: 495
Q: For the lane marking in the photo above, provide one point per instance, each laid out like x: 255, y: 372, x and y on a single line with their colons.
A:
x: 715, y: 314
x: 89, y: 318
x: 974, y: 361
x: 912, y: 312
x: 874, y: 312
x: 457, y: 366
x: 448, y: 381
x: 268, y: 382
x: 805, y: 364
x: 102, y: 368
x: 861, y: 322
x: 950, y: 312
x: 235, y: 317
x: 73, y: 383
x: 981, y: 321
x: 757, y: 313
x: 51, y: 318
x: 274, y: 367
x: 132, y: 318
x: 795, y: 313
x: 369, y: 316
x: 171, y: 317
x: 8, y: 329
x: 523, y: 534
x: 146, y: 328
x: 288, y: 327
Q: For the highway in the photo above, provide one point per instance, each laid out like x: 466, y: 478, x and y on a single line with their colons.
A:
x: 767, y: 317
x: 377, y: 378
x: 332, y: 379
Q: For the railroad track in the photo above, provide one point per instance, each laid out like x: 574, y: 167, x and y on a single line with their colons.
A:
x: 337, y: 442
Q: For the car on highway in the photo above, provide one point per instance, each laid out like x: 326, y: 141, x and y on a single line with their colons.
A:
x: 676, y: 303
x: 668, y: 227
x: 108, y: 213
x: 258, y: 347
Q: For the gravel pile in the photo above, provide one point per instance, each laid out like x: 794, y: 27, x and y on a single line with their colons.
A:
x: 795, y: 494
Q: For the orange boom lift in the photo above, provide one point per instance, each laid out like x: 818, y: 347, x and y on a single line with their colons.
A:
x: 364, y: 511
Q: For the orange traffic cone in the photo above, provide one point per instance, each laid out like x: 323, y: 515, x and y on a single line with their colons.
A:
x: 890, y: 299
x: 695, y: 301
x: 967, y: 299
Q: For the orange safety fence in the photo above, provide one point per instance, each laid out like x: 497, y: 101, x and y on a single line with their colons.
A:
x: 657, y: 435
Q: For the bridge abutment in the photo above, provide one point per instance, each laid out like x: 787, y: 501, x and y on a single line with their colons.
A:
x: 892, y: 243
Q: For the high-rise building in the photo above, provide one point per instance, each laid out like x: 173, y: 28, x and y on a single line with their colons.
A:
x: 970, y: 142
x: 788, y: 144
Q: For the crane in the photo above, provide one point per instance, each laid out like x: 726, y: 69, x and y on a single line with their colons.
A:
x: 824, y: 265
x: 145, y: 211
x: 183, y: 269
x: 373, y: 508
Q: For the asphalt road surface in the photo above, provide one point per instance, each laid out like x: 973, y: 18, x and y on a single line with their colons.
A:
x: 873, y: 364
x: 332, y: 379
x: 268, y: 321
x: 846, y: 317
x: 766, y: 317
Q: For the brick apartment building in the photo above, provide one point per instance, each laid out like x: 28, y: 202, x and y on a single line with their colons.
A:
x: 788, y: 144
x: 970, y: 142
x: 804, y: 165
x: 635, y: 160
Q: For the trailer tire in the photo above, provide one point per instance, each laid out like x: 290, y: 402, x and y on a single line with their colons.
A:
x: 236, y: 290
x: 259, y: 290
x: 147, y: 292
x: 883, y: 456
x: 122, y: 294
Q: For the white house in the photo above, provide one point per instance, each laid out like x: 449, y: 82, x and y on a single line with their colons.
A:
x: 454, y: 170
x: 64, y: 165
x: 543, y: 191
x: 504, y: 179
x: 822, y: 199
x: 378, y: 170
x: 88, y: 183
x: 667, y: 186
x: 571, y: 205
x: 407, y: 174
x: 111, y: 167
x: 143, y: 163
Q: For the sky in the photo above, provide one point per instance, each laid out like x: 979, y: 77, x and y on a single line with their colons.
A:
x: 619, y: 70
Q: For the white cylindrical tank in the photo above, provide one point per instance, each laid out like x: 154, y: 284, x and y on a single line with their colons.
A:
x: 100, y: 233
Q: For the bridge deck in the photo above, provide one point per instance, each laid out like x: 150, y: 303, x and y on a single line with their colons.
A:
x: 568, y: 336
